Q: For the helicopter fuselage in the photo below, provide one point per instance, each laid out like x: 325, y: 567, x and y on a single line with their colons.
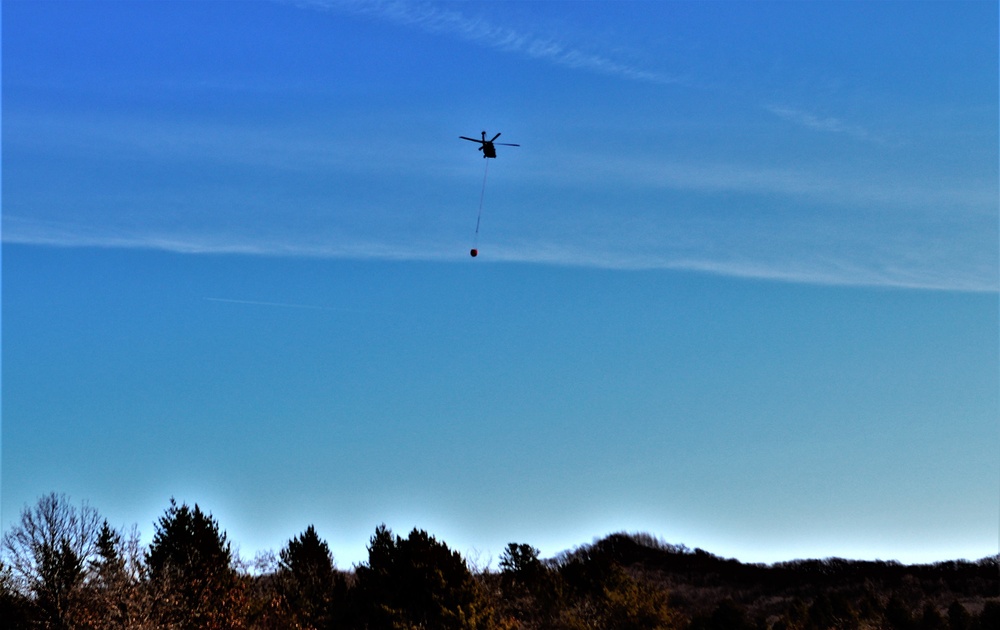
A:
x: 486, y: 146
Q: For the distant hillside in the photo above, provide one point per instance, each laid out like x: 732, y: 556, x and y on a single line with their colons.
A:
x: 831, y: 592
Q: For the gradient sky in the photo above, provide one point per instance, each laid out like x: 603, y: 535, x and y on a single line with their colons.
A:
x: 737, y: 288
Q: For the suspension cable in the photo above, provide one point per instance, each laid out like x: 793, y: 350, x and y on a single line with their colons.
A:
x: 482, y: 194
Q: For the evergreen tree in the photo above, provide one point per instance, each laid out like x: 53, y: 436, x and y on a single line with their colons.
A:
x: 418, y: 582
x: 310, y: 584
x: 188, y: 540
x: 108, y: 565
x: 529, y: 595
x: 520, y: 560
x: 190, y: 568
x: 114, y: 594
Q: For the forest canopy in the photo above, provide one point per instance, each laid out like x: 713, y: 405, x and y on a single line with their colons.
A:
x: 64, y: 566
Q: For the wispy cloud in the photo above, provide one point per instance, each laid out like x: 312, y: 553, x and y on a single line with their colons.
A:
x: 430, y: 18
x: 281, y: 190
x: 847, y: 227
x: 827, y: 124
x: 934, y: 271
x: 54, y: 233
x: 434, y: 19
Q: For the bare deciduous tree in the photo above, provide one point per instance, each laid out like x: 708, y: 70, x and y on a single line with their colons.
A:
x: 48, y: 551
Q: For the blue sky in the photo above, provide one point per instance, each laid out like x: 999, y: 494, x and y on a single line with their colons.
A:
x: 738, y: 286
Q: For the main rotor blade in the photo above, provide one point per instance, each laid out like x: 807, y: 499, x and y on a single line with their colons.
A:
x: 470, y: 139
x: 506, y: 144
x: 495, y: 137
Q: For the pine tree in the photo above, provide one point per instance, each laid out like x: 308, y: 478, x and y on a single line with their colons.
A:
x: 311, y: 586
x: 419, y: 582
x: 191, y: 574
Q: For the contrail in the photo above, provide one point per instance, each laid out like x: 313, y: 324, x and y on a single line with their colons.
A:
x: 312, y: 307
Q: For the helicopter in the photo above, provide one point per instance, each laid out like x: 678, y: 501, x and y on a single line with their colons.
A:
x: 487, y: 146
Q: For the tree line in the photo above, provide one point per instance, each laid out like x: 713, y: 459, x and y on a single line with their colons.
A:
x: 65, y: 567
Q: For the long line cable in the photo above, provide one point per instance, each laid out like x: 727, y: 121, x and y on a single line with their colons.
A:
x: 482, y: 194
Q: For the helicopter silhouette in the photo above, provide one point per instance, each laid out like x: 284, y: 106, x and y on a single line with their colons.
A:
x: 487, y: 146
